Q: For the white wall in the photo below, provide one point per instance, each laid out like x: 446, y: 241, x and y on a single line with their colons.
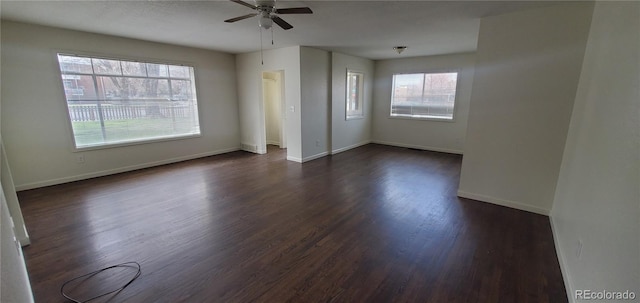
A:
x: 315, y: 89
x: 597, y: 200
x: 273, y: 107
x: 14, y: 281
x: 527, y: 69
x: 423, y: 134
x: 35, y: 126
x: 249, y: 73
x: 347, y: 134
x: 9, y: 194
x: 308, y: 89
x: 13, y: 204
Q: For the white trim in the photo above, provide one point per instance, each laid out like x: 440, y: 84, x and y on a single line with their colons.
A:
x: 294, y: 159
x: 428, y: 118
x: 133, y: 142
x: 121, y: 56
x: 21, y: 272
x: 316, y: 156
x: 248, y: 147
x: 361, y: 98
x: 346, y: 148
x: 120, y: 170
x: 429, y: 148
x: 422, y: 118
x: 26, y: 239
x: 502, y: 202
x: 74, y: 145
x: 563, y: 268
x: 272, y: 142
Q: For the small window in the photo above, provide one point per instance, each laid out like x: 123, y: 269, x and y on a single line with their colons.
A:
x: 424, y: 96
x: 114, y: 101
x: 354, y: 98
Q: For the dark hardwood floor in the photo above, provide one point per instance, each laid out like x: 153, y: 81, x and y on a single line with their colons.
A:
x: 373, y: 224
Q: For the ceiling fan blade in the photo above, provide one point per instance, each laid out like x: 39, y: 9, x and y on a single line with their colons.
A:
x: 284, y: 24
x: 241, y: 18
x: 294, y: 10
x: 251, y: 6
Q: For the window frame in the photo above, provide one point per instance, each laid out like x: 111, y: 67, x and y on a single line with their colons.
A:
x: 73, y: 144
x: 427, y: 118
x: 360, y: 113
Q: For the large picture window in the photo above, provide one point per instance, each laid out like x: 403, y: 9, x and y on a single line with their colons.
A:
x: 424, y: 96
x: 117, y: 101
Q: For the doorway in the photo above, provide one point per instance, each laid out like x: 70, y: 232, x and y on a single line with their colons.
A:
x: 274, y: 106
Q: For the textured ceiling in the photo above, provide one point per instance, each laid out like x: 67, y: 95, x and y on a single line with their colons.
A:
x: 363, y: 28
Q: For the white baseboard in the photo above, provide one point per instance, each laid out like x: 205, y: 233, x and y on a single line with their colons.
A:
x: 253, y: 148
x: 507, y: 203
x: 248, y: 147
x: 429, y: 148
x: 24, y: 239
x: 119, y: 170
x: 294, y: 159
x: 273, y: 142
x: 307, y: 159
x: 563, y: 268
x: 316, y: 156
x: 339, y: 150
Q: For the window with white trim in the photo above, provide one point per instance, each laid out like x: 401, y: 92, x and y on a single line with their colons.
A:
x: 424, y: 96
x: 354, y: 98
x: 114, y: 101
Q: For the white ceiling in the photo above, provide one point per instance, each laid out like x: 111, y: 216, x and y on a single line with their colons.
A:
x: 362, y: 28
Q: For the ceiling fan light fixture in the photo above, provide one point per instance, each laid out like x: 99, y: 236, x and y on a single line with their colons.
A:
x: 399, y: 49
x: 265, y: 21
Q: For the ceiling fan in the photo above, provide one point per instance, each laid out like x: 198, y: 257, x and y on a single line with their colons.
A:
x: 269, y: 13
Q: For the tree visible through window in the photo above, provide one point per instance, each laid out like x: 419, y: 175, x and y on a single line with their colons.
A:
x: 115, y: 101
x: 424, y: 96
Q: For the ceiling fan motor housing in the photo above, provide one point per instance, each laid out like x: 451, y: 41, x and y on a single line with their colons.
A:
x: 267, y: 6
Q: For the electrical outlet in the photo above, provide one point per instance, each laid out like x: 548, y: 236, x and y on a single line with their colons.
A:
x: 80, y: 159
x: 317, y: 143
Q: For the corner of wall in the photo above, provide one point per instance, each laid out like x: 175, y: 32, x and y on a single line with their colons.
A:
x: 8, y: 187
x: 503, y: 202
x: 523, y: 72
x: 561, y: 258
x: 594, y: 217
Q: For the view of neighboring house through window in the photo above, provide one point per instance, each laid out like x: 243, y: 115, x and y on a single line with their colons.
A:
x: 424, y: 96
x: 117, y: 101
x: 354, y: 98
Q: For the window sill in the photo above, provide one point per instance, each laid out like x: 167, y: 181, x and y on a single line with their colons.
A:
x: 424, y: 118
x: 136, y: 142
